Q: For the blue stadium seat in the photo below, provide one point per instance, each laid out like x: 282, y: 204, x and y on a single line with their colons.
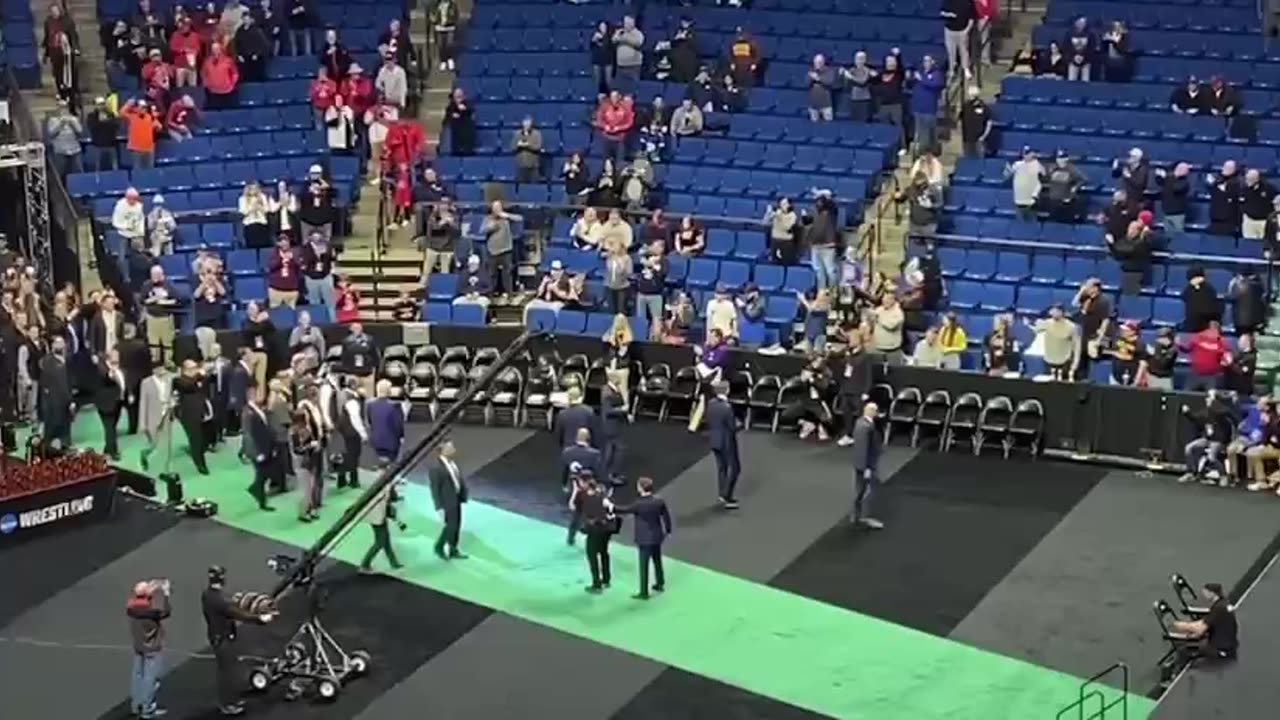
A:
x: 437, y: 312
x: 442, y: 286
x: 468, y: 313
x: 571, y: 322
x: 781, y: 310
x: 598, y: 324
x: 769, y: 278
x: 799, y: 279
x: 703, y: 272
x: 243, y: 263
x: 250, y: 288
x: 734, y: 274
x: 541, y: 319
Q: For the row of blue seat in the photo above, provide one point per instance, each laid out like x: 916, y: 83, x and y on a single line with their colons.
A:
x: 1126, y: 96
x: 1123, y: 123
x: 1144, y: 17
x: 301, y: 67
x: 1098, y: 175
x: 763, y: 14
x: 1104, y: 149
x: 1209, y: 44
x: 204, y: 176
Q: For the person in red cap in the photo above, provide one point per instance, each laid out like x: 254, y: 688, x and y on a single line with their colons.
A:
x: 1133, y: 251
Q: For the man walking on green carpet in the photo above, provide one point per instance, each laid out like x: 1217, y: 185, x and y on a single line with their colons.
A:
x: 653, y: 525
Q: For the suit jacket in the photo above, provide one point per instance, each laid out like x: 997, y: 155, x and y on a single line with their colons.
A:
x: 570, y: 420
x: 154, y: 398
x: 98, y: 332
x: 238, y: 385
x: 110, y: 395
x: 444, y: 493
x: 386, y: 426
x: 257, y: 438
x: 55, y: 390
x: 193, y: 401
x: 722, y: 426
x: 653, y: 520
x: 135, y: 360
x: 219, y: 379
x: 866, y: 444
x: 613, y: 411
x: 586, y: 457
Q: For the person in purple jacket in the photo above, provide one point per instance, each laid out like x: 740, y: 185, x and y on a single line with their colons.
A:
x: 927, y: 84
x: 386, y: 424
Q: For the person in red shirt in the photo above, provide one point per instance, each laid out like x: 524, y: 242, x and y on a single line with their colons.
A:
x: 323, y: 90
x: 1208, y: 353
x: 181, y: 117
x: 348, y: 301
x: 614, y: 119
x: 284, y: 268
x: 402, y: 195
x: 404, y: 143
x: 221, y: 77
x: 186, y: 47
x: 985, y: 12
x: 156, y: 73
x: 357, y: 88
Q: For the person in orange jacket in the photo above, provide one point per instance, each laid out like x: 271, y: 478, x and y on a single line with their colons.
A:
x: 143, y: 124
x: 221, y: 77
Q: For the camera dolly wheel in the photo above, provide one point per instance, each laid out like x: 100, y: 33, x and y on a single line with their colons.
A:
x: 359, y: 662
x: 327, y: 688
x: 260, y: 679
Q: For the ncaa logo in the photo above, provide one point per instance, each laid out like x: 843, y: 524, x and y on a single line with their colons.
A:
x: 8, y: 523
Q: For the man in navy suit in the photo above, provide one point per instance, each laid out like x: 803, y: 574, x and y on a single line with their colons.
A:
x: 258, y: 445
x: 866, y: 458
x: 239, y: 385
x: 578, y: 415
x: 723, y: 428
x: 613, y: 412
x: 448, y: 493
x: 576, y: 461
x: 653, y: 525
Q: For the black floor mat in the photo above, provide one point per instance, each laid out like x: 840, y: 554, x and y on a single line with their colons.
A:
x: 679, y: 695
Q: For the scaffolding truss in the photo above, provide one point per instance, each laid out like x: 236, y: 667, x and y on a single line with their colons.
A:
x: 28, y: 159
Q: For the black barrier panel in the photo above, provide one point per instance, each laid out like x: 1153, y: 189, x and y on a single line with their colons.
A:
x: 44, y: 513
x: 1084, y: 418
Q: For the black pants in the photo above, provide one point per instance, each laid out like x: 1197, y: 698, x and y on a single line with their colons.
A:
x: 598, y: 556
x: 783, y: 252
x: 348, y: 471
x: 611, y: 458
x: 262, y: 475
x: 620, y: 301
x: 451, y: 531
x: 195, y: 442
x: 863, y: 489
x: 651, y: 553
x: 284, y: 466
x: 58, y: 428
x: 231, y: 421
x: 227, y: 671
x: 253, y: 69
x: 575, y: 525
x: 381, y: 543
x: 110, y: 433
x: 727, y: 469
x: 131, y: 408
x: 850, y: 411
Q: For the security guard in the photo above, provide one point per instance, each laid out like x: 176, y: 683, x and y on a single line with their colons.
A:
x: 360, y: 358
x: 221, y: 616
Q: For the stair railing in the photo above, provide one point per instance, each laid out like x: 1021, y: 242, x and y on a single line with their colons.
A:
x: 1090, y: 691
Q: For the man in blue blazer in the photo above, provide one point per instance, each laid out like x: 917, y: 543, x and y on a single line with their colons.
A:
x: 653, y: 525
x: 723, y: 429
x: 613, y: 413
x: 576, y: 416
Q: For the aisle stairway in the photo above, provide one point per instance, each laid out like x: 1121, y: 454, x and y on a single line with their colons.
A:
x: 93, y: 79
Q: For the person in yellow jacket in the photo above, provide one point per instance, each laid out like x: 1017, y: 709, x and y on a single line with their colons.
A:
x: 953, y: 341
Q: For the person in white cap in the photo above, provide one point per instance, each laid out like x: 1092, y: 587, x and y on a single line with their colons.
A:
x: 473, y: 286
x: 128, y: 218
x: 162, y: 225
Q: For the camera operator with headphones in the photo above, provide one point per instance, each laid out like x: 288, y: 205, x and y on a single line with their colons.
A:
x: 221, y: 617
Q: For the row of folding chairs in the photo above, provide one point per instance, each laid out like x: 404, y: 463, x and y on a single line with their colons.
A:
x: 996, y: 421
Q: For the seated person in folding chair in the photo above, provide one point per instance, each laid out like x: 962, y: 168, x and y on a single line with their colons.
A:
x: 1217, y: 633
x: 1217, y: 421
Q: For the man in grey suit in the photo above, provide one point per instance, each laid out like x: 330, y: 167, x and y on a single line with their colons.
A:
x: 449, y: 492
x: 866, y: 456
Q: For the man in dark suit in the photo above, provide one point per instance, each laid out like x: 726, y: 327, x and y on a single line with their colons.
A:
x: 193, y: 410
x: 240, y: 386
x: 258, y: 444
x: 106, y: 328
x: 135, y: 360
x: 218, y: 370
x: 571, y: 419
x: 110, y: 397
x: 723, y: 429
x: 448, y: 492
x: 613, y: 412
x: 57, y: 407
x: 866, y: 458
x: 579, y: 453
x: 653, y: 525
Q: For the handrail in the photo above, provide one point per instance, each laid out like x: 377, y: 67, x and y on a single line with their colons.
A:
x: 1078, y: 706
x: 1025, y: 244
x: 1103, y: 706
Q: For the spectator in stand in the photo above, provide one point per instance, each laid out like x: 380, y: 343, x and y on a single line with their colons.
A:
x: 927, y: 84
x: 887, y: 332
x: 265, y: 17
x: 1081, y: 46
x: 1200, y: 303
x: 444, y: 22
x: 406, y: 308
x: 1247, y: 296
x: 1028, y: 175
x: 1117, y: 54
x: 616, y: 233
x: 392, y: 84
x: 62, y: 132
x: 577, y: 179
x: 722, y: 315
x: 361, y: 94
x: 526, y: 145
x: 1134, y: 172
x: 1252, y: 441
x: 395, y: 40
x: 162, y: 225
x: 157, y: 76
x: 985, y: 13
x: 340, y: 124
x: 441, y: 238
x: 1062, y: 189
x: 930, y: 166
x: 602, y: 56
x: 233, y: 14
x: 650, y: 284
x: 430, y: 189
x: 104, y: 127
x: 975, y: 124
x: 129, y: 218
x: 317, y: 272
x: 1208, y: 354
x: 823, y: 235
x: 653, y: 140
x: 284, y: 211
x: 681, y: 53
x: 500, y: 239
x: 656, y: 228
x: 628, y: 44
x: 744, y: 58
x: 1238, y: 376
x: 618, y: 272
x: 1189, y: 99
x: 473, y: 288
x: 1117, y: 216
x: 1000, y: 349
x: 556, y: 290
x: 206, y: 21
x: 858, y: 78
x: 181, y: 118
x: 1215, y: 423
x: 926, y: 201
x: 784, y: 227
x: 701, y: 89
x: 957, y: 20
x: 822, y: 88
x: 298, y: 20
x: 1255, y: 205
x: 61, y: 46
x: 1162, y: 356
x: 928, y: 351
x: 690, y: 238
x: 459, y: 120
x: 322, y: 91
x: 160, y: 299
x: 209, y: 309
x: 253, y: 49
x: 750, y: 303
x: 1051, y: 62
x: 348, y: 301
x: 614, y: 119
x: 816, y: 312
x: 1060, y: 342
x: 254, y: 206
x: 1094, y: 313
x: 687, y: 120
x: 1128, y: 356
x: 378, y: 121
x: 953, y: 341
x: 605, y: 192
x: 284, y: 266
x: 1223, y: 100
x: 143, y: 124
x: 334, y: 56
x: 220, y: 77
x: 316, y: 211
x: 1174, y: 191
x: 1225, y: 192
x: 587, y: 231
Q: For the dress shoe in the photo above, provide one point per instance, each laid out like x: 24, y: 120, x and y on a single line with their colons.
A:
x: 640, y: 596
x: 266, y: 508
x: 455, y: 555
x: 659, y: 588
x: 595, y: 589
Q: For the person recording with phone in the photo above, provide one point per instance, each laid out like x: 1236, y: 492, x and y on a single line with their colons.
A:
x: 222, y: 617
x: 599, y: 524
x: 147, y: 610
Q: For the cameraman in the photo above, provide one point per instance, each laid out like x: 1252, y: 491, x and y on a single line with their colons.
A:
x: 380, y: 514
x: 147, y: 609
x: 221, y: 617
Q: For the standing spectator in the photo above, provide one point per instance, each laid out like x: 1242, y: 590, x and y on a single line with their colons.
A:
x: 61, y: 47
x: 104, y: 127
x: 722, y: 315
x: 391, y: 83
x: 186, y: 48
x: 1117, y: 55
x: 157, y: 77
x: 957, y: 20
x: 142, y: 128
x: 1238, y: 376
x: 220, y: 77
x: 1128, y: 356
x: 444, y: 22
x: 1174, y: 191
x: 602, y: 56
x: 459, y: 120
x: 147, y: 609
x: 822, y: 86
x: 656, y: 228
x: 1133, y: 251
x: 317, y: 272
x: 284, y: 266
x: 340, y: 124
x: 616, y: 233
x: 887, y: 329
x: 1134, y: 173
x: 323, y: 90
x: 887, y: 92
x: 1162, y: 356
x: 628, y: 44
x: 162, y: 225
x: 129, y: 218
x: 1063, y: 184
x: 526, y: 145
x: 614, y: 119
x: 953, y: 341
x: 1027, y: 175
x: 253, y: 49
x: 925, y: 200
x: 1000, y: 348
x: 334, y: 56
x: 272, y: 25
x: 618, y: 271
x: 783, y: 225
x: 816, y: 314
x: 378, y: 121
x: 440, y: 238
x: 1080, y: 50
x: 682, y: 52
x: 1094, y: 313
x: 1189, y: 99
x: 686, y: 120
x: 1208, y: 354
x: 1225, y: 191
x: 859, y: 77
x: 1061, y: 343
x: 360, y: 93
x: 253, y: 206
x: 1223, y: 101
x: 975, y: 124
x: 823, y: 234
x: 1117, y: 216
x: 62, y: 132
x: 985, y: 12
x: 744, y: 58
x: 930, y: 166
x: 284, y: 211
x: 651, y: 283
x: 299, y: 23
x: 926, y: 89
x: 180, y: 118
x: 395, y: 42
x: 1200, y: 303
x: 577, y: 179
x: 160, y: 300
x: 316, y: 211
x: 1247, y: 296
x: 500, y: 239
x: 1255, y: 205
